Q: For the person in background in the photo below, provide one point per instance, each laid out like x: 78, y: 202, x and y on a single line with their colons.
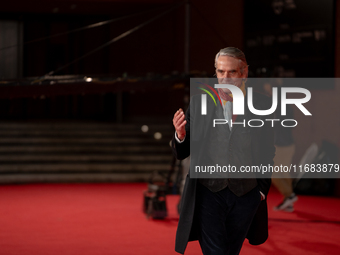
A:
x: 285, y: 148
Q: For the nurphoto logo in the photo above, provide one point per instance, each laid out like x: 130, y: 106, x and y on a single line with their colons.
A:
x: 238, y: 104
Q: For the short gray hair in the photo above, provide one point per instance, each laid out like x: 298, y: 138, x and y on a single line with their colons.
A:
x: 235, y: 53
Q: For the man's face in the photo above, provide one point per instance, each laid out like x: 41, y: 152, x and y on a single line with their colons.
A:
x: 228, y: 71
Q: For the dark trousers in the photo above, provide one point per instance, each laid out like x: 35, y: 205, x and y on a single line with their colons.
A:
x: 224, y: 219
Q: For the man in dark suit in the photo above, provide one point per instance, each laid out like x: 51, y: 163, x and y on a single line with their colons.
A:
x: 221, y: 212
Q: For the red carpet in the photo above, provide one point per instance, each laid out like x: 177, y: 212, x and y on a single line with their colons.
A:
x: 103, y: 219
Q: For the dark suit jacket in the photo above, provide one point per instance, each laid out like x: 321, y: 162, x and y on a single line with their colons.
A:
x: 262, y: 150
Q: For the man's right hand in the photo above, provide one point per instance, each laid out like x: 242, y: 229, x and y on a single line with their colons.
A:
x: 179, y: 124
